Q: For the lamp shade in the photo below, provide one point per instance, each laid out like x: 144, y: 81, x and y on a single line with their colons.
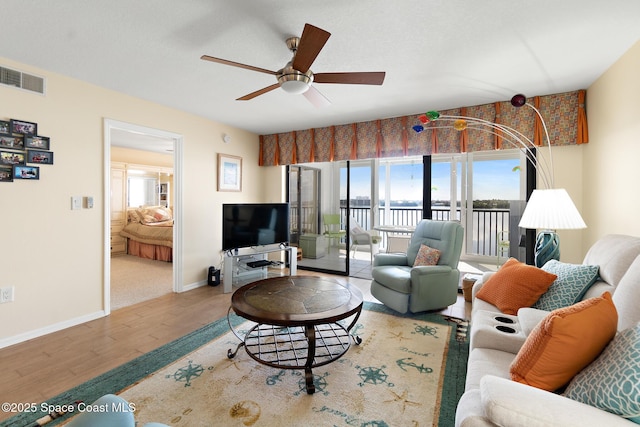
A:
x: 551, y: 209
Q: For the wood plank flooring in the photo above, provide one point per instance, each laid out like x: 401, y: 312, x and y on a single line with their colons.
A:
x: 39, y: 369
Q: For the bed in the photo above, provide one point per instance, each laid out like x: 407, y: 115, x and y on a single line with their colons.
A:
x: 149, y: 233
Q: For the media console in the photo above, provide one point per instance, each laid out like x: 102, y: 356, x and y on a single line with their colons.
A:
x: 246, y: 265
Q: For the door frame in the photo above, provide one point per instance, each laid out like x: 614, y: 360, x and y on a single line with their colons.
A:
x: 109, y: 125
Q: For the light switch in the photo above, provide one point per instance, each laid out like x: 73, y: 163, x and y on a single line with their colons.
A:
x: 76, y: 202
x: 88, y: 202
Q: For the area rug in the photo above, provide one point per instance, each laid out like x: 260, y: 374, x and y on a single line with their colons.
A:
x: 408, y: 371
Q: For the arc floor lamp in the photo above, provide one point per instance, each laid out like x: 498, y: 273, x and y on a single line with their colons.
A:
x: 548, y: 209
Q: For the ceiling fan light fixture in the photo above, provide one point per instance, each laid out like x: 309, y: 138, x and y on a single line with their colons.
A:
x: 296, y: 83
x: 293, y: 81
x: 294, y: 86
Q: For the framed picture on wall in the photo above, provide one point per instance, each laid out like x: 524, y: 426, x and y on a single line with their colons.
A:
x: 229, y: 173
x: 6, y: 174
x: 40, y: 157
x: 38, y: 142
x: 26, y: 172
x: 5, y: 126
x: 9, y: 158
x: 14, y: 142
x: 25, y: 128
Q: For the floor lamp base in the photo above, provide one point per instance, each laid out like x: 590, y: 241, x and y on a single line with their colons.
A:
x: 547, y: 247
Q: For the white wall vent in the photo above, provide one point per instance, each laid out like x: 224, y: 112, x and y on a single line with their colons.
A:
x: 21, y: 80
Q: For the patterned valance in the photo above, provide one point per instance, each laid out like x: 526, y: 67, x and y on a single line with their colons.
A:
x: 564, y: 115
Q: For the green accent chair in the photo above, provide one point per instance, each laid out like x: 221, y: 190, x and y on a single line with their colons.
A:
x: 401, y: 286
x: 332, y: 228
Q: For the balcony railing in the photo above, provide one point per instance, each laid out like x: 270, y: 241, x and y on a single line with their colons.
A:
x: 481, y: 240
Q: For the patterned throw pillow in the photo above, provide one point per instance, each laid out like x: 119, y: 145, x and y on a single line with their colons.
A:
x: 570, y: 286
x: 612, y: 381
x: 565, y: 342
x: 515, y: 285
x: 427, y: 256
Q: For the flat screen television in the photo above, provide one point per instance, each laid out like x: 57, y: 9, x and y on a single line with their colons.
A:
x: 254, y: 224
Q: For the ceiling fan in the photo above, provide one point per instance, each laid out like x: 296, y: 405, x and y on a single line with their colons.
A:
x: 296, y: 77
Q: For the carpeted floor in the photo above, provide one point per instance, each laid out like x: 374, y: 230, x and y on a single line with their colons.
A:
x: 374, y: 379
x: 135, y: 279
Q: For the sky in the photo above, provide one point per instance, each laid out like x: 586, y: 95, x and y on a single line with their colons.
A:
x: 492, y: 179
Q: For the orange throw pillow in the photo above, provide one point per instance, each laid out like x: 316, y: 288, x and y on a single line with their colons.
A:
x: 565, y: 342
x: 515, y: 285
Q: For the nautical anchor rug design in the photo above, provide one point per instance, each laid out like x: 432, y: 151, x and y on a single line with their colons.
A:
x: 406, y: 372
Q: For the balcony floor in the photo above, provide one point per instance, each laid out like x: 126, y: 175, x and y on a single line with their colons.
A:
x: 360, y: 264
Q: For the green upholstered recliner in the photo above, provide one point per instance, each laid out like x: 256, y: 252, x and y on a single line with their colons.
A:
x: 402, y: 287
x: 108, y: 411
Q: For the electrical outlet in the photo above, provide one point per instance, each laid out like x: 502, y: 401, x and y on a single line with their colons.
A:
x: 6, y: 294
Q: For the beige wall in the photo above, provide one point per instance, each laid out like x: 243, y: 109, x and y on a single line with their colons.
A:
x: 127, y: 155
x: 53, y: 256
x: 568, y: 169
x: 611, y: 159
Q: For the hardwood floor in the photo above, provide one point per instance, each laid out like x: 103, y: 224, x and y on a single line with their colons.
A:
x: 39, y: 369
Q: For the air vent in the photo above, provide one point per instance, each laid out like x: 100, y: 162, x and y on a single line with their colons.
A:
x: 21, y: 80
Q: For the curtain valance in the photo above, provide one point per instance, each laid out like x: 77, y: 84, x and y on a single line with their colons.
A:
x: 564, y: 115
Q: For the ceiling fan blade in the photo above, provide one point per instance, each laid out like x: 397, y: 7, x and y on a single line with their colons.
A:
x: 311, y: 43
x: 236, y: 64
x: 259, y: 92
x: 315, y: 97
x: 366, y: 78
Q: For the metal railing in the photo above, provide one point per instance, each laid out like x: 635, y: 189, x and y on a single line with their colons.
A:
x: 481, y: 240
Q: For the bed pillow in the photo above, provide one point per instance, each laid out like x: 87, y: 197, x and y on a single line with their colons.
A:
x: 427, y: 256
x: 573, y: 281
x: 611, y: 382
x: 155, y: 214
x: 134, y: 215
x: 515, y: 285
x: 564, y: 342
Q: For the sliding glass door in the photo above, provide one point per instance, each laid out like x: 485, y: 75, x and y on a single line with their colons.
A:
x: 315, y: 193
x: 485, y: 191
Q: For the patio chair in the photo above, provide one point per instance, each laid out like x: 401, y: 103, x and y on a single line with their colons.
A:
x: 400, y: 285
x: 332, y: 228
x: 360, y: 236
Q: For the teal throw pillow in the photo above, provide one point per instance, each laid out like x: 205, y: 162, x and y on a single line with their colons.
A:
x: 612, y: 381
x: 570, y: 286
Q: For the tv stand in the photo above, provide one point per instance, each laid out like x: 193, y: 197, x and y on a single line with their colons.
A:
x: 246, y: 265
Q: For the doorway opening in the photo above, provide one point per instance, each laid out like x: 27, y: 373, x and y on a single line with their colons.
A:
x: 164, y: 186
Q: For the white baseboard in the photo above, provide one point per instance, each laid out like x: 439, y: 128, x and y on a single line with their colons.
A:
x: 195, y: 285
x: 17, y: 339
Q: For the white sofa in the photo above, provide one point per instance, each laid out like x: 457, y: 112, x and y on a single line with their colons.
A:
x: 491, y: 398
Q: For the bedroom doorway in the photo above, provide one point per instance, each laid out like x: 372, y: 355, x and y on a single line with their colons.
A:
x: 130, y: 150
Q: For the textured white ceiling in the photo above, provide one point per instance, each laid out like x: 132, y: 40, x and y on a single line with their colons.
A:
x: 437, y: 54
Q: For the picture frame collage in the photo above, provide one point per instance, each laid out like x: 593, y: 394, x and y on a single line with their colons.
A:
x: 22, y: 150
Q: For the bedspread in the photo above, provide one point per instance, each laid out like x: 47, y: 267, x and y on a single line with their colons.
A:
x: 153, y: 235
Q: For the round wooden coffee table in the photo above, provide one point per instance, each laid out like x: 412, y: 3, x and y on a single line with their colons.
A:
x: 297, y: 321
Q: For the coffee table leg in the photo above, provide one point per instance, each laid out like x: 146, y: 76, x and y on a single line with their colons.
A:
x: 311, y: 354
x: 356, y: 338
x: 230, y: 353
